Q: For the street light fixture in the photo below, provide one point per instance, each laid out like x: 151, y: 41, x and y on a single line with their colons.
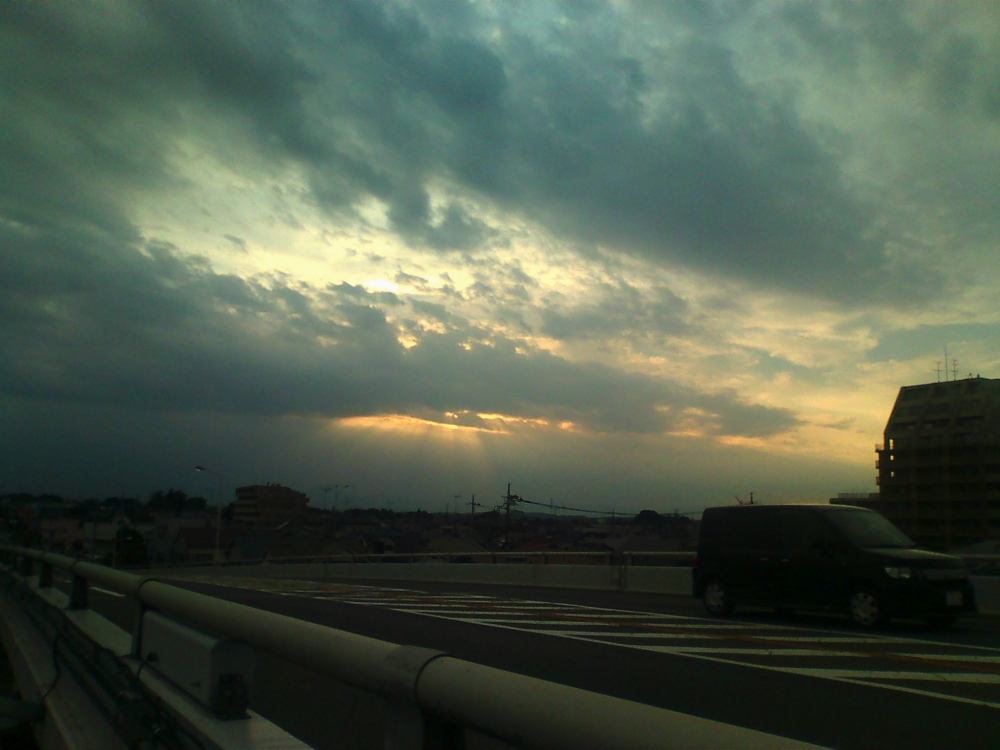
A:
x: 218, y: 513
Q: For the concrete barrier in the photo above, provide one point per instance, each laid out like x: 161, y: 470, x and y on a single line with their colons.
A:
x: 658, y: 580
x: 591, y: 577
x: 987, y: 590
x: 634, y: 578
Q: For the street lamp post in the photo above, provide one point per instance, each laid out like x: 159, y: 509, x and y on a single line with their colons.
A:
x: 218, y: 513
x: 336, y: 492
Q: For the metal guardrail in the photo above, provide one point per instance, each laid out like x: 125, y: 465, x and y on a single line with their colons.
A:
x: 495, y: 558
x: 430, y: 697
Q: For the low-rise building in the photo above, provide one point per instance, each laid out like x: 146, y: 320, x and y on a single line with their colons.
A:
x: 268, y: 504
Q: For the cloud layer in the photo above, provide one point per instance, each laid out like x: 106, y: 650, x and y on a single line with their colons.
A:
x: 679, y: 221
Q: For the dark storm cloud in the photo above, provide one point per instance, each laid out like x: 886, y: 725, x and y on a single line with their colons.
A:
x: 614, y: 310
x: 238, y: 242
x: 673, y: 156
x: 948, y: 60
x: 724, y: 177
x: 930, y: 340
x: 92, y: 89
x: 92, y: 319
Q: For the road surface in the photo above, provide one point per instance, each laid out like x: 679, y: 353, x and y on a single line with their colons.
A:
x: 817, y: 679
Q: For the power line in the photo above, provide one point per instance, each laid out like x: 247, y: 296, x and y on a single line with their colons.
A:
x: 550, y: 506
x: 598, y: 512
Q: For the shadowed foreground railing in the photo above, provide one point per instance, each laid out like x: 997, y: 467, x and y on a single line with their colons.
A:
x: 430, y: 697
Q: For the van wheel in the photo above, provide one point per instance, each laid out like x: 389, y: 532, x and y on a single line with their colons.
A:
x: 716, y: 598
x: 866, y: 609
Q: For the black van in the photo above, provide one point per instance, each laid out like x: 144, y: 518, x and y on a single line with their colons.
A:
x: 824, y: 557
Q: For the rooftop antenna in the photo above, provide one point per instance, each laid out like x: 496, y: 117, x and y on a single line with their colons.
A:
x: 946, y: 363
x: 455, y: 505
x: 937, y: 369
x: 751, y: 498
x: 738, y: 499
x: 473, y: 504
x: 954, y: 369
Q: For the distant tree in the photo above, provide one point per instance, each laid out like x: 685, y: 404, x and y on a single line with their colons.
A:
x: 648, y: 518
x: 174, y: 501
x: 84, y: 510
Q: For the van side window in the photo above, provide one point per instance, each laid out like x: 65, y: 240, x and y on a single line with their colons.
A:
x: 801, y: 530
x: 752, y: 529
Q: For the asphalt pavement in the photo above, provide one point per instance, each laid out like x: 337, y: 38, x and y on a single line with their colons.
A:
x: 817, y: 679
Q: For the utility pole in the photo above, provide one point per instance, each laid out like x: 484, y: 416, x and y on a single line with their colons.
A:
x: 473, y: 504
x: 509, y: 501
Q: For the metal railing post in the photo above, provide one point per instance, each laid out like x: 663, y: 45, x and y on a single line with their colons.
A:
x: 44, y: 575
x: 78, y: 597
x: 442, y: 735
x: 404, y: 726
x: 136, y: 650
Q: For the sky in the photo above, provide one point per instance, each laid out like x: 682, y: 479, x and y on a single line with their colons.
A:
x: 622, y: 255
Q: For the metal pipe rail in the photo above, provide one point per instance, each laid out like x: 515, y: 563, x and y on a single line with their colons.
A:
x: 474, y: 557
x: 430, y: 697
x: 605, y: 558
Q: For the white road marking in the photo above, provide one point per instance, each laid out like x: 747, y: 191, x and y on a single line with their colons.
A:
x: 850, y: 680
x: 582, y: 622
x: 942, y: 658
x: 862, y: 674
x: 635, y: 630
x: 954, y: 657
x: 685, y: 636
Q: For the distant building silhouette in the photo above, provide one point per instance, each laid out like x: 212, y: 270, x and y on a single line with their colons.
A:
x: 939, y: 467
x: 268, y: 504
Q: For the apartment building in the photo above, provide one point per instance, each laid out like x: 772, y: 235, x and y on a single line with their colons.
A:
x: 939, y: 465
